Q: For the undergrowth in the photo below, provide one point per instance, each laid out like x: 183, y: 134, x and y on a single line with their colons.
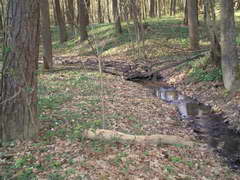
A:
x: 212, y: 74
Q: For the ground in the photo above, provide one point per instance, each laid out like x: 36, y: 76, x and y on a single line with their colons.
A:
x: 74, y: 97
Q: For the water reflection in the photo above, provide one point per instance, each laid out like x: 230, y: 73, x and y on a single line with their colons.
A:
x: 208, y: 126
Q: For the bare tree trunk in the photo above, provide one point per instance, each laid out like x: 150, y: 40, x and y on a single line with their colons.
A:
x: 70, y: 13
x: 152, y: 8
x: 230, y: 63
x: 62, y: 26
x: 18, y: 89
x: 172, y: 7
x: 185, y: 20
x: 108, y: 12
x: 46, y: 35
x: 215, y: 52
x: 83, y: 19
x: 116, y: 16
x: 63, y: 10
x: 2, y: 12
x: 193, y: 24
x: 54, y: 14
x: 136, y: 19
x: 159, y: 9
x: 100, y: 15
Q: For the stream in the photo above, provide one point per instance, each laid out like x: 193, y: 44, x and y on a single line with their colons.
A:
x: 208, y: 126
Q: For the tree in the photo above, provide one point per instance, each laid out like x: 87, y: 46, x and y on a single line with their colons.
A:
x: 108, y: 12
x: 185, y: 20
x: 18, y: 89
x: 210, y: 20
x: 83, y: 19
x: 70, y: 13
x: 229, y: 61
x: 193, y: 23
x: 61, y: 23
x: 1, y: 14
x: 116, y: 16
x: 172, y: 7
x: 46, y: 35
x: 100, y: 15
x: 152, y: 8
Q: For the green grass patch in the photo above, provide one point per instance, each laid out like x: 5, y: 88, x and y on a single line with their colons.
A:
x: 212, y: 74
x: 103, y: 39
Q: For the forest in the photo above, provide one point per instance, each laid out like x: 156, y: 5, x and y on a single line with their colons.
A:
x: 119, y: 89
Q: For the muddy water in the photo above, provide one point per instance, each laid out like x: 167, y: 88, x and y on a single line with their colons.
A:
x: 208, y: 126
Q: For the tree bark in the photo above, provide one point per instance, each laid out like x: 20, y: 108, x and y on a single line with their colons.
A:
x: 108, y: 12
x: 152, y: 8
x: 70, y: 13
x: 230, y: 63
x: 116, y: 16
x: 100, y: 15
x: 54, y: 13
x: 18, y: 89
x: 46, y: 35
x: 193, y: 24
x: 83, y: 19
x: 215, y: 53
x: 185, y: 20
x: 62, y: 26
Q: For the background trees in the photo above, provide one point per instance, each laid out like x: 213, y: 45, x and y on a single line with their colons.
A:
x: 146, y: 39
x: 74, y: 17
x: 61, y: 22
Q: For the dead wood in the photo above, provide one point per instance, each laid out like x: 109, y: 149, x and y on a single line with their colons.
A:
x: 104, y: 134
x: 130, y: 72
x: 178, y: 63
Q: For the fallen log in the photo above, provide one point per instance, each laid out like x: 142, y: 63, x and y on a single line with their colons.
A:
x: 104, y: 134
x: 155, y: 74
x: 138, y: 76
x: 177, y: 63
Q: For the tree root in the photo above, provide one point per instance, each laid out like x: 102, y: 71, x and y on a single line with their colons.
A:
x: 104, y: 134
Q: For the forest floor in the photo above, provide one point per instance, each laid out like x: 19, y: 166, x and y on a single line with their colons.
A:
x: 73, y: 98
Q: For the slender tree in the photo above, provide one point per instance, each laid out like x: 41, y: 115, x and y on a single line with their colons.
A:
x: 18, y: 89
x: 83, y: 18
x: 46, y: 34
x: 108, y: 12
x: 70, y: 13
x: 116, y: 16
x: 193, y: 24
x: 214, y: 35
x: 61, y: 23
x: 230, y: 65
x: 185, y: 20
x: 152, y: 8
x: 100, y: 14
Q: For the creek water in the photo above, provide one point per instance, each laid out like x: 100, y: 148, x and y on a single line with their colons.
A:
x: 207, y: 125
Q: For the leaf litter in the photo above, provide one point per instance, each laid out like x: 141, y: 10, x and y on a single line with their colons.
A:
x: 61, y: 152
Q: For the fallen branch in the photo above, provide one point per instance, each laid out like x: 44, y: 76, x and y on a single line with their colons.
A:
x: 178, y: 63
x: 104, y: 134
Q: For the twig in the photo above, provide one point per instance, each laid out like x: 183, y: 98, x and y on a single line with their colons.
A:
x: 11, y: 98
x: 178, y: 63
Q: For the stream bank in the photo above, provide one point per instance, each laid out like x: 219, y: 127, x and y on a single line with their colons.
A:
x: 208, y: 126
x: 161, y: 118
